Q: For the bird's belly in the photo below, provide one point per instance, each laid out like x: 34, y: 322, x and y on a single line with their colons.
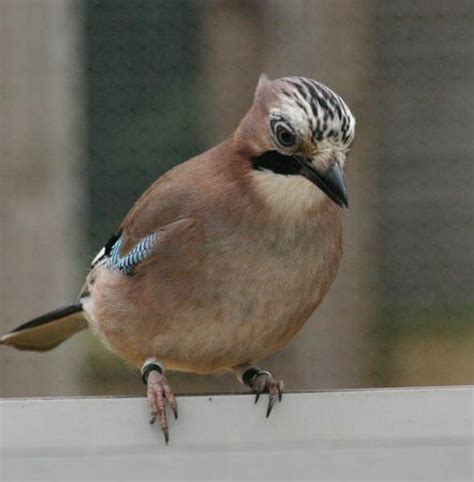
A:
x: 238, y: 313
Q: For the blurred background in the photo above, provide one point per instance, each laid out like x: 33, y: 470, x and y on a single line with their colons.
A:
x: 98, y: 98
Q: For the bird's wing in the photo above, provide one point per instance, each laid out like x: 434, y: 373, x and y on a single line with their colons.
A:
x: 180, y: 240
x: 164, y: 202
x: 161, y: 218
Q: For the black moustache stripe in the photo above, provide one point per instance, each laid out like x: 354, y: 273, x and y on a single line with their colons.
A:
x: 277, y: 163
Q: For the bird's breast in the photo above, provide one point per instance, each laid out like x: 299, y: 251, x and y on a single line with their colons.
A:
x: 248, y: 292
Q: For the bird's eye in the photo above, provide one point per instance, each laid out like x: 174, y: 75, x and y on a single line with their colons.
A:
x: 285, y: 137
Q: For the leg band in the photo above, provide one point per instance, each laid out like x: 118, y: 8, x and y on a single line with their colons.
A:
x: 249, y: 376
x: 150, y: 365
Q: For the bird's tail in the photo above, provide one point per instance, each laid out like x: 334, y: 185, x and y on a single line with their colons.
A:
x: 47, y: 331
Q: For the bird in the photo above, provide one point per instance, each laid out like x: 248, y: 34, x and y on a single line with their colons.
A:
x: 223, y: 258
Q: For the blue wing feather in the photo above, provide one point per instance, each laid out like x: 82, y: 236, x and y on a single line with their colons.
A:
x: 135, y: 256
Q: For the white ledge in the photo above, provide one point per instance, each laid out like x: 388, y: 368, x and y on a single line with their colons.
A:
x: 395, y: 434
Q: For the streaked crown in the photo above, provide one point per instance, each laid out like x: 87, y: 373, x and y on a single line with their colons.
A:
x: 314, y: 110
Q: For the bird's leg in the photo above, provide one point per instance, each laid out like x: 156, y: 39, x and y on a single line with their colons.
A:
x: 261, y: 381
x: 159, y: 393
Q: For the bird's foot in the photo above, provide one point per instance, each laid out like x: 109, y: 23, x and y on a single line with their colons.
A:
x: 159, y: 395
x: 261, y: 381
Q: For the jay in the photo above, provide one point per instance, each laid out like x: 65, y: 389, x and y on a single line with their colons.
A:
x: 224, y: 258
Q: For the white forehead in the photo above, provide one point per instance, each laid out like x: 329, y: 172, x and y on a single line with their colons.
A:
x: 314, y: 110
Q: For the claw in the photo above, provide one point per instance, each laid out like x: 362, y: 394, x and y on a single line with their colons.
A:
x: 271, y: 401
x: 281, y: 387
x: 174, y: 409
x: 275, y: 393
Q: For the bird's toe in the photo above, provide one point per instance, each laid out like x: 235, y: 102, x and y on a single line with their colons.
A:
x: 159, y: 395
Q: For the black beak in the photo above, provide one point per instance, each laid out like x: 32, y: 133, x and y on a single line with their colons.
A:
x: 331, y: 182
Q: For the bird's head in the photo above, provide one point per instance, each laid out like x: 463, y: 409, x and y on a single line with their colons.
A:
x: 299, y: 127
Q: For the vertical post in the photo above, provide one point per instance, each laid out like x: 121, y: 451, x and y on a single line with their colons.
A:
x: 41, y: 187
